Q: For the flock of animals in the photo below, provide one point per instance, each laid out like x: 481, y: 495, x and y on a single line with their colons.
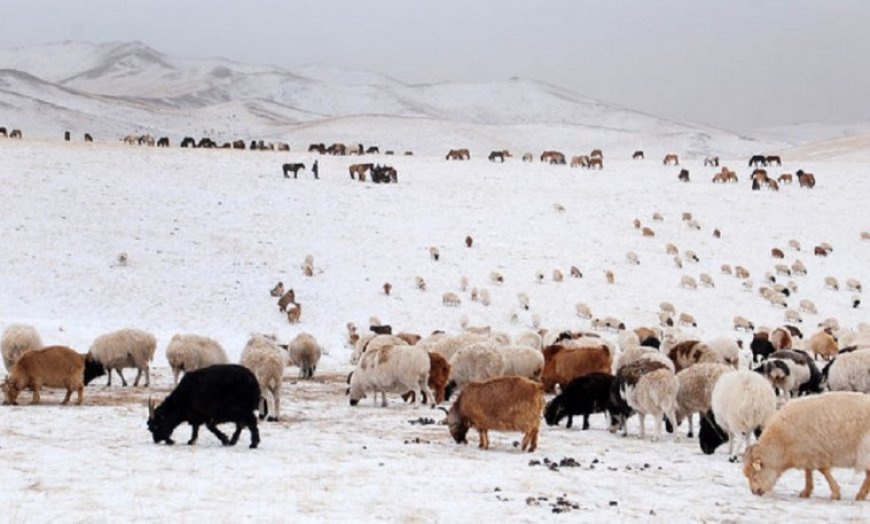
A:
x: 807, y: 418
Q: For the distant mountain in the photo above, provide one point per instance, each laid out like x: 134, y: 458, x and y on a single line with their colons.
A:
x: 117, y: 88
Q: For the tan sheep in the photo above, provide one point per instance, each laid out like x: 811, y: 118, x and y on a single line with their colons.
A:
x: 741, y: 272
x: 608, y: 276
x: 726, y: 269
x: 191, y: 352
x: 822, y: 344
x: 18, y: 339
x: 294, y: 312
x: 450, y: 299
x: 807, y: 306
x: 648, y: 232
x: 125, y: 348
x: 743, y: 323
x: 798, y: 268
x: 831, y: 283
x: 304, y: 352
x: 278, y: 290
x: 583, y: 310
x: 688, y: 282
x: 706, y: 280
x: 671, y: 249
x: 813, y: 433
x: 263, y: 357
x: 667, y: 307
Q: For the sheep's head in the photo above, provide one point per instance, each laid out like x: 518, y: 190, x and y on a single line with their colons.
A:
x: 11, y: 392
x: 458, y: 427
x: 760, y: 474
x: 554, y: 412
x: 93, y: 369
x: 159, y: 424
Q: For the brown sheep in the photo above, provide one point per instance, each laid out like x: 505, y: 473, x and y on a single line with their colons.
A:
x: 562, y: 365
x: 500, y: 404
x: 387, y: 288
x: 294, y: 312
x: 820, y: 251
x: 689, y: 352
x: 777, y: 253
x: 819, y: 432
x: 469, y: 241
x: 278, y: 290
x: 54, y: 367
x: 823, y: 344
x: 286, y: 299
x: 781, y: 339
x: 648, y: 232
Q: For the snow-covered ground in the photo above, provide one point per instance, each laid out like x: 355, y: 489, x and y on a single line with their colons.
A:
x: 208, y: 233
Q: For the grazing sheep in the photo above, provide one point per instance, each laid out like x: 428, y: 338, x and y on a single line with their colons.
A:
x: 394, y: 369
x: 191, y: 352
x: 782, y: 269
x: 726, y: 351
x: 807, y: 306
x: 469, y: 241
x: 742, y: 403
x: 263, y: 357
x: 794, y: 244
x: 575, y: 272
x: 780, y: 338
x: 657, y: 217
x: 370, y: 342
x: 741, y: 272
x: 529, y: 339
x: 278, y: 290
x: 474, y: 294
x: 666, y: 319
x: 631, y: 258
x: 648, y: 232
x: 450, y: 299
x: 501, y: 404
x: 294, y: 312
x: 608, y: 276
x: 831, y: 283
x: 667, y: 307
x: 637, y: 223
x: 688, y: 282
x: 850, y: 371
x: 439, y: 374
x: 557, y: 276
x: 420, y: 283
x: 792, y: 316
x: 539, y: 277
x: 671, y: 249
x: 447, y: 346
x: 853, y: 285
x: 304, y: 352
x: 830, y: 323
x: 792, y: 373
x: 54, y: 367
x: 678, y: 261
x: 387, y: 288
x: 289, y: 297
x: 582, y: 396
x: 831, y: 430
x: 743, y: 323
x: 685, y: 319
x: 822, y: 344
x: 690, y: 352
x: 18, y: 339
x: 654, y: 393
x: 706, y: 280
x: 695, y: 392
x: 582, y: 310
x: 777, y: 253
x: 484, y: 297
x: 477, y: 330
x: 496, y: 278
x: 522, y: 361
x: 563, y: 364
x: 125, y: 348
x: 798, y: 268
x: 523, y: 300
x: 691, y: 256
x: 725, y: 269
x: 476, y: 362
x: 434, y: 253
x: 631, y: 355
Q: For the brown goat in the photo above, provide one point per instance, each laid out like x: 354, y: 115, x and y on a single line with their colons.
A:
x: 777, y: 253
x: 286, y: 299
x: 53, y: 366
x: 500, y: 404
x: 294, y: 312
x: 647, y: 232
x: 562, y: 365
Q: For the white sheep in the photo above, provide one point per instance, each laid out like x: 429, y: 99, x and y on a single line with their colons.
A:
x: 807, y: 306
x: 695, y: 391
x: 450, y: 345
x: 725, y: 269
x: 743, y: 323
x: 688, y: 282
x: 263, y: 357
x: 473, y: 363
x: 742, y: 402
x: 371, y: 341
x: 530, y: 339
x: 667, y: 307
x: 558, y: 276
x: 726, y: 351
x: 523, y: 300
x: 391, y: 369
x: 582, y: 310
x: 798, y: 268
x: 450, y: 299
x: 853, y: 285
x: 522, y: 361
x: 632, y: 355
x: 420, y: 283
x: 831, y: 283
x: 304, y: 352
x: 18, y: 339
x: 632, y: 258
x: 706, y: 280
x: 654, y: 394
x: 496, y: 278
x: 477, y: 330
x: 627, y: 339
x: 791, y: 315
x: 850, y: 372
x: 191, y: 352
x: 125, y: 348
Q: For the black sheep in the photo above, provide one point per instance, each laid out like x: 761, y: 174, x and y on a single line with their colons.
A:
x: 582, y: 396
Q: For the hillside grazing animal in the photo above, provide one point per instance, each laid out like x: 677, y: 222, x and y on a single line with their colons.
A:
x: 18, y: 339
x: 583, y: 310
x: 292, y: 168
x: 3, y: 132
x: 688, y: 282
x: 358, y: 171
x: 54, y: 367
x: 528, y: 157
x: 304, y: 352
x: 695, y: 391
x: 264, y: 358
x: 853, y: 285
x: 637, y: 155
x: 777, y: 253
x: 824, y: 432
x: 387, y: 288
x: 289, y: 297
x: 771, y: 159
x: 557, y: 276
x: 757, y: 160
x: 434, y: 253
x: 772, y: 185
x: 15, y: 133
x: 742, y: 403
x: 88, y: 137
x: 294, y: 312
x: 499, y: 404
x: 125, y: 348
x: 684, y: 175
x: 317, y: 148
x: 785, y: 178
x: 689, y: 352
x: 392, y: 368
x: 648, y: 232
x: 469, y: 241
x: 278, y: 290
x: 711, y: 161
x: 596, y: 162
x: 496, y: 155
x: 580, y: 161
x: 575, y: 272
x: 564, y: 364
x: 420, y: 283
x: 807, y: 180
x: 823, y: 344
x: 608, y: 276
x: 458, y: 154
x: 213, y: 395
x: 450, y: 299
x: 582, y: 396
x: 671, y: 159
x: 553, y: 157
x: 831, y: 283
x: 191, y: 352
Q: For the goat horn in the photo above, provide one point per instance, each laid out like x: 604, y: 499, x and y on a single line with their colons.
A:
x: 150, y: 407
x: 442, y: 408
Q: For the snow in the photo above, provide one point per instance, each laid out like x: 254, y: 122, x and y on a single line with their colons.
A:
x: 208, y: 233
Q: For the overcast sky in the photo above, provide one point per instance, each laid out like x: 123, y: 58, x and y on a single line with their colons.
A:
x: 737, y: 64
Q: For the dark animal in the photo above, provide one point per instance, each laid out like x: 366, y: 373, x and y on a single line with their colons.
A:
x: 684, y: 175
x: 496, y: 155
x: 382, y: 330
x: 292, y: 168
x: 469, y: 241
x: 66, y: 135
x: 711, y: 161
x: 814, y: 383
x: 711, y: 435
x: 807, y: 180
x: 320, y: 148
x: 15, y: 133
x: 88, y: 137
x: 337, y: 149
x: 758, y: 160
x: 213, y: 395
x: 773, y: 158
x: 582, y: 396
x: 163, y: 142
x: 188, y: 142
x: 239, y: 144
x: 755, y: 185
x: 3, y: 132
x: 372, y: 150
x: 638, y: 155
x: 384, y: 174
x: 761, y: 347
x: 207, y: 143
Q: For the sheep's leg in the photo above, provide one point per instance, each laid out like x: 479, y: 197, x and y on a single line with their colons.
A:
x: 808, y: 484
x: 277, y: 405
x: 691, y: 426
x: 147, y: 376
x: 138, y: 376
x: 658, y: 429
x: 835, y: 488
x: 67, y: 397
x: 383, y: 399
x: 585, y: 421
x: 35, y: 394
x: 642, y: 419
x: 236, y: 433
x: 672, y: 418
x: 218, y: 433
x: 269, y: 399
x: 123, y: 380
x: 526, y: 438
x: 194, y: 434
x: 731, y: 456
x: 865, y: 487
x: 570, y: 422
x: 109, y: 372
x: 251, y: 422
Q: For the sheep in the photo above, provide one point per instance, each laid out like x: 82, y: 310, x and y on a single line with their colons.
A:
x: 476, y: 362
x: 777, y: 299
x: 632, y: 355
x: 18, y: 339
x: 822, y: 344
x: 644, y: 334
x: 54, y: 367
x: 304, y: 352
x: 792, y: 372
x: 689, y: 352
x: 717, y: 233
x: 741, y: 272
x: 558, y: 276
x: 654, y: 393
x: 831, y: 283
x: 853, y: 285
x: 582, y: 396
x: 807, y: 306
x: 501, y: 404
x: 398, y: 369
x: 726, y: 351
x: 523, y: 300
x: 780, y: 338
x: 289, y: 297
x: 798, y: 268
x: 742, y: 323
x: 695, y: 391
x: 631, y: 258
x: 582, y: 310
x: 671, y: 249
x: 439, y: 374
x: 263, y: 357
x: 539, y: 277
x: 496, y: 278
x: 666, y: 319
x: 831, y: 430
x: 434, y: 253
x: 678, y: 261
x: 450, y: 299
x: 575, y: 272
x: 794, y: 244
x: 637, y: 223
x: 463, y: 283
x: 409, y: 338
x: 850, y: 371
x: 742, y: 403
x: 420, y: 283
x: 667, y: 307
x: 278, y: 290
x: 782, y: 269
x: 469, y: 241
x: 608, y: 276
x: 685, y: 319
x: 693, y: 224
x: 125, y: 348
x: 725, y: 269
x: 447, y: 346
x: 791, y: 315
x: 522, y: 361
x: 294, y: 312
x: 563, y: 364
x: 657, y: 217
x: 830, y: 323
x: 529, y: 339
x: 474, y: 294
x: 477, y: 330
x: 190, y: 352
x: 706, y: 280
x: 688, y: 282
x: 376, y: 341
x: 484, y: 297
x: 648, y: 232
x: 761, y: 346
x: 769, y: 278
x: 627, y: 340
x: 429, y: 341
x: 387, y: 288
x: 691, y: 256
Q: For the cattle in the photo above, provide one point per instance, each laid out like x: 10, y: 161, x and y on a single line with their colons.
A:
x: 638, y: 155
x: 213, y: 395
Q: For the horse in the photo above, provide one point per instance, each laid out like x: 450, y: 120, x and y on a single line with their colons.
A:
x: 319, y: 148
x: 580, y: 161
x: 206, y: 143
x: 496, y: 155
x: 282, y: 146
x: 671, y: 158
x: 757, y: 160
x: 294, y: 168
x: 595, y: 161
x: 337, y: 149
x: 772, y: 185
x: 553, y: 157
x: 760, y: 175
x: 773, y: 158
x: 384, y: 174
x: 372, y: 150
x: 359, y: 170
x: 146, y: 140
x: 596, y: 153
x: 807, y: 180
x: 88, y: 137
x: 458, y: 154
x: 188, y: 142
x: 684, y: 175
x: 528, y: 157
x: 638, y: 155
x: 163, y: 142
x: 66, y: 136
x: 15, y: 133
x: 785, y: 178
x: 711, y: 161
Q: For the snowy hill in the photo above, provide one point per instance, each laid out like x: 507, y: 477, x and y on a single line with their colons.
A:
x: 113, y: 89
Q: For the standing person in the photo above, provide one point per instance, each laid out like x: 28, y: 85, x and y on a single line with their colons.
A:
x: 314, y: 169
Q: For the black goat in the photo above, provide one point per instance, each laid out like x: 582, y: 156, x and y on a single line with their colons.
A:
x: 582, y: 396
x: 212, y: 395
